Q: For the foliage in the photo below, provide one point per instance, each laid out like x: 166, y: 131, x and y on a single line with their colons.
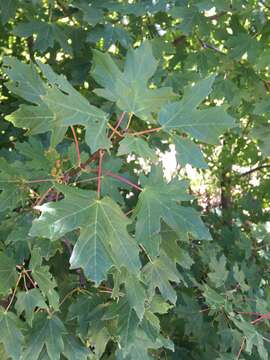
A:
x: 101, y: 254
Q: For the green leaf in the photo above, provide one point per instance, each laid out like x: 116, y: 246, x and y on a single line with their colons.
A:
x: 129, y: 88
x: 91, y: 14
x: 89, y: 311
x: 111, y: 34
x: 157, y: 201
x: 253, y: 338
x: 24, y: 80
x: 219, y: 273
x: 8, y: 10
x: 74, y: 109
x: 10, y: 334
x: 109, y: 185
x: 158, y: 274
x: 46, y: 282
x: 55, y: 110
x: 27, y: 302
x: 190, y: 17
x: 213, y: 299
x: 159, y: 306
x: 243, y: 44
x: 47, y: 34
x: 132, y: 144
x: 188, y: 153
x: 8, y: 273
x: 47, y: 333
x: 127, y: 323
x: 74, y: 349
x: 103, y: 232
x: 135, y: 294
x: 240, y: 277
x: 262, y: 134
x: 173, y: 250
x: 205, y: 125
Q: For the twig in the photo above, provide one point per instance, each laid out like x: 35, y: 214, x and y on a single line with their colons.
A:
x: 209, y: 46
x: 258, y: 168
x: 77, y: 146
x: 216, y: 16
x: 30, y: 45
x: 101, y: 154
x: 75, y: 171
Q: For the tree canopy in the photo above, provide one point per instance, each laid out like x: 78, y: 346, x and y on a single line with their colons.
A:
x: 104, y: 255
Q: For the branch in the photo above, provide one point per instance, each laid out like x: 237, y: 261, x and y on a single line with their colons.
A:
x: 78, y: 169
x: 30, y: 45
x: 216, y: 16
x: 209, y: 46
x: 258, y: 168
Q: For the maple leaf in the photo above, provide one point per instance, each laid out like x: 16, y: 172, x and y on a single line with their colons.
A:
x: 46, y: 334
x: 102, y: 232
x: 56, y: 107
x: 11, y: 334
x: 129, y: 88
x: 159, y: 200
x: 205, y: 125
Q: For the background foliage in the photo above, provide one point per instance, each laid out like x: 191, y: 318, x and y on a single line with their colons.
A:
x: 101, y: 256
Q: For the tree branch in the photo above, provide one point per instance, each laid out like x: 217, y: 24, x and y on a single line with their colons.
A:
x: 258, y: 168
x: 209, y: 46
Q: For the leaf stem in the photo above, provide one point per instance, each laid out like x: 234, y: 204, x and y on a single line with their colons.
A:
x: 77, y: 145
x: 241, y: 348
x: 42, y: 198
x: 114, y: 131
x: 29, y: 278
x: 14, y: 293
x: 148, y: 131
x: 118, y: 123
x: 129, y: 121
x: 123, y: 179
x: 101, y: 154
